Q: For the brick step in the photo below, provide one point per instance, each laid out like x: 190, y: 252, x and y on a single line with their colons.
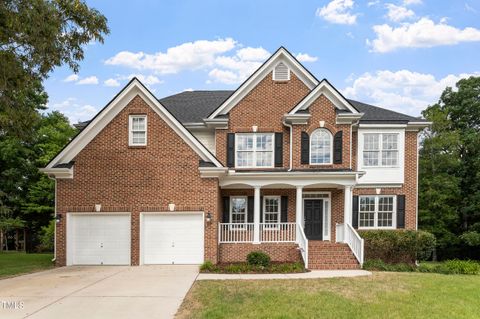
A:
x: 327, y: 255
x: 333, y: 267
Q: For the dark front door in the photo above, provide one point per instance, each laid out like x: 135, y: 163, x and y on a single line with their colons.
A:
x: 313, y: 212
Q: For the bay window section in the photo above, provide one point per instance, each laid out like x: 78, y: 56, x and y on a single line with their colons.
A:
x: 254, y: 150
x: 380, y: 149
x: 376, y: 211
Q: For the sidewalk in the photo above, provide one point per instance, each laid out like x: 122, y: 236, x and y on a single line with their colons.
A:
x: 314, y: 274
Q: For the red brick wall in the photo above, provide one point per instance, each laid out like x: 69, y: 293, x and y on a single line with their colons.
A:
x: 284, y: 252
x: 264, y: 106
x: 122, y: 178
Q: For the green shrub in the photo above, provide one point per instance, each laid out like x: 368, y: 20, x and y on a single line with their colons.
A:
x: 379, y: 265
x: 258, y: 258
x: 398, y: 246
x: 47, y: 235
x: 452, y: 267
x: 208, y: 266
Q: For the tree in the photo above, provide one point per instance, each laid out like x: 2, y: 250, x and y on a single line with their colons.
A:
x: 35, y: 37
x: 449, y: 199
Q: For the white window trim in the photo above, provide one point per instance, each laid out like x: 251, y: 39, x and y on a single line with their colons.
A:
x: 279, y: 220
x: 130, y: 130
x: 239, y: 225
x: 255, y: 149
x: 274, y: 77
x: 375, y: 216
x: 380, y: 150
x: 331, y: 147
x: 326, y: 211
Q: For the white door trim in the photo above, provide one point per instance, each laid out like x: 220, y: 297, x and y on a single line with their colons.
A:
x: 68, y: 244
x: 327, y: 209
x: 142, y: 234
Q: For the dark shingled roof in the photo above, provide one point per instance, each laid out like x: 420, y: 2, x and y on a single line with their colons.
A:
x: 65, y: 165
x: 194, y: 106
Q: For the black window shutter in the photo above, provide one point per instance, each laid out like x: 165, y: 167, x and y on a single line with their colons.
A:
x: 305, y: 148
x: 337, y: 147
x: 355, y: 212
x: 226, y: 209
x: 261, y: 209
x: 278, y: 149
x: 250, y: 205
x: 284, y: 207
x: 400, y: 211
x: 230, y: 149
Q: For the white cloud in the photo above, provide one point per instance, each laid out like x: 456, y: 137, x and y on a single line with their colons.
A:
x: 410, y: 2
x: 397, y: 13
x: 403, y: 91
x: 75, y: 111
x: 186, y: 56
x: 305, y: 57
x: 71, y: 78
x: 111, y: 82
x: 421, y: 34
x: 88, y: 80
x: 373, y: 3
x: 338, y: 11
x: 470, y: 8
x: 235, y: 69
x: 146, y: 79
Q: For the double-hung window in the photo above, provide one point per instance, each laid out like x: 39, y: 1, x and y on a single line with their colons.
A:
x: 376, y: 211
x: 271, y: 210
x: 380, y: 149
x: 321, y: 147
x: 254, y: 150
x: 238, y: 209
x: 137, y: 130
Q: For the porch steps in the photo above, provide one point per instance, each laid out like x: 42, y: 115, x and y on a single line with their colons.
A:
x: 327, y: 255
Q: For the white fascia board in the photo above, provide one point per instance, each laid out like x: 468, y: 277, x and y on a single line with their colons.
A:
x: 297, y: 118
x: 134, y: 88
x: 382, y: 125
x: 330, y: 92
x: 417, y: 126
x: 194, y: 125
x: 348, y: 118
x: 260, y: 73
x: 65, y: 173
x: 212, y: 172
x: 221, y: 123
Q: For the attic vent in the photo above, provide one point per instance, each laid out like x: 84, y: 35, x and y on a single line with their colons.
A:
x: 281, y: 72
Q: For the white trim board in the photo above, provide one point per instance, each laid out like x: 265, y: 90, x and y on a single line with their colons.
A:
x: 134, y: 88
x: 324, y: 88
x: 281, y: 55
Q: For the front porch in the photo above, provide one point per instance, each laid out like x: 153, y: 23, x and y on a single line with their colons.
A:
x: 311, y: 221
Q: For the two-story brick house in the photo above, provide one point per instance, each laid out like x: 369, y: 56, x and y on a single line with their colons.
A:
x: 284, y: 164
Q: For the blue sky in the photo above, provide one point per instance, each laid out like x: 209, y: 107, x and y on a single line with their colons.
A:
x: 398, y: 54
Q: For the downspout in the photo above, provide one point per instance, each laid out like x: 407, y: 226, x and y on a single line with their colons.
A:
x: 351, y: 141
x: 291, y: 146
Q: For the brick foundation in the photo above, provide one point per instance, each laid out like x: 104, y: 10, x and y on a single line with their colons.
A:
x: 283, y: 252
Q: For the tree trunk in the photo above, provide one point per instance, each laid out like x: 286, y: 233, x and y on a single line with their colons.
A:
x: 1, y: 240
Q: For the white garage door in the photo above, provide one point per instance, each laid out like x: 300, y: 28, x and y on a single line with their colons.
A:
x: 172, y: 238
x: 98, y: 239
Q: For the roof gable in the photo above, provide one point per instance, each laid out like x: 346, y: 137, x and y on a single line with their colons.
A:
x: 281, y: 55
x: 112, y: 109
x: 325, y: 88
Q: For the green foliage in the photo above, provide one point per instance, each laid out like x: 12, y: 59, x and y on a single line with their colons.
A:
x: 451, y: 267
x: 379, y: 265
x: 471, y: 238
x: 47, y: 236
x: 449, y: 197
x: 207, y: 266
x: 400, y: 246
x: 258, y: 258
x: 245, y: 268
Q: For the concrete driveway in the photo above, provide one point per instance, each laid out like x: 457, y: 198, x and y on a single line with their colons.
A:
x: 97, y: 292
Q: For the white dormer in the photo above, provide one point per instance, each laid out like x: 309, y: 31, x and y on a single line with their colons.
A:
x: 281, y: 72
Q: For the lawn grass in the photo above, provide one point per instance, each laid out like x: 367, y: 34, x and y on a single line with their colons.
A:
x: 382, y: 295
x: 13, y: 263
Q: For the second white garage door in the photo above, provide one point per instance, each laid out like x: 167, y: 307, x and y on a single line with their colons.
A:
x: 172, y: 238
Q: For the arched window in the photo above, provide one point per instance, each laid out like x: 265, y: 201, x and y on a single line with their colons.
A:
x: 321, y: 147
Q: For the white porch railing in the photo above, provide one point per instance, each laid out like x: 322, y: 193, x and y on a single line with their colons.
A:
x: 353, y: 239
x: 235, y: 233
x: 302, y: 244
x: 278, y: 232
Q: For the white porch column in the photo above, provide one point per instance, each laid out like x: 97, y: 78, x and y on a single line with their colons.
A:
x: 299, y: 207
x: 347, y: 210
x: 256, y: 215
